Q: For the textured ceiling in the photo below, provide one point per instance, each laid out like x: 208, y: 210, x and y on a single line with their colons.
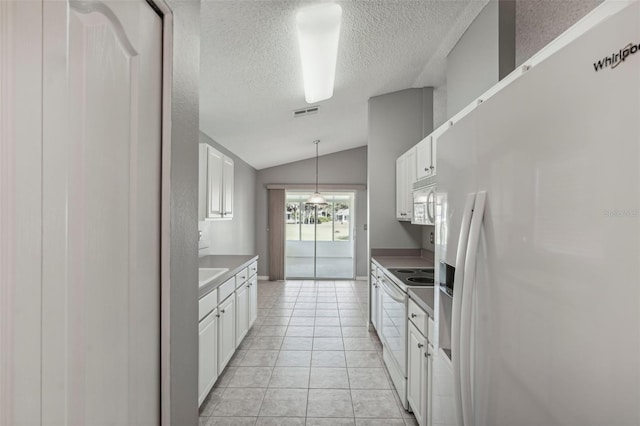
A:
x: 251, y: 78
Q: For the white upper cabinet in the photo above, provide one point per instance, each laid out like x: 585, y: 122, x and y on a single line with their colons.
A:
x: 227, y: 185
x: 405, y: 177
x: 216, y: 176
x: 426, y: 161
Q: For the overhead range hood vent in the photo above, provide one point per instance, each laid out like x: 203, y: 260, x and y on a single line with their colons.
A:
x: 306, y: 111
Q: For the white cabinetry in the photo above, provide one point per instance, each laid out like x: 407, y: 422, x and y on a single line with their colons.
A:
x: 405, y: 176
x: 252, y: 272
x: 227, y: 188
x: 216, y: 183
x: 426, y: 157
x: 223, y: 325
x: 242, y: 312
x: 207, y: 354
x: 419, y: 363
x: 227, y: 331
x: 376, y: 295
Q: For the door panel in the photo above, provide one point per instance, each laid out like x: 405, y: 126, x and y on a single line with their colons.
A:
x: 102, y: 143
x: 20, y: 211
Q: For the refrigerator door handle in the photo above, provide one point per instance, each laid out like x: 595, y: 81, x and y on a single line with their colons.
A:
x: 461, y: 254
x: 466, y: 313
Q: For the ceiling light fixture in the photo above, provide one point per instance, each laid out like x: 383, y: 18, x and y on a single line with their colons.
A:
x: 318, y: 35
x: 316, y: 199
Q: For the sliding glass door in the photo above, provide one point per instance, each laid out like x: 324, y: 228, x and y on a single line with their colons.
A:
x: 320, y: 239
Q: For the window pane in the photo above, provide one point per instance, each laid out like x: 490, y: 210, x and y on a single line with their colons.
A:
x: 325, y: 225
x: 292, y: 215
x: 308, y: 223
x: 342, y: 220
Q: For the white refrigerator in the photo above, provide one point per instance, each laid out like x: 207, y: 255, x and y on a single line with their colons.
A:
x: 539, y: 214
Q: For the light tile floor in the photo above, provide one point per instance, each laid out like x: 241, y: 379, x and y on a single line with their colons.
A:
x: 308, y: 360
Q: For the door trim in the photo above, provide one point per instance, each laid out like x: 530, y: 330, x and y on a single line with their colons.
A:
x: 161, y: 7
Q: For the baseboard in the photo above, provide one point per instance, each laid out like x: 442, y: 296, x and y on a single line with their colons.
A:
x: 362, y: 278
x: 263, y: 278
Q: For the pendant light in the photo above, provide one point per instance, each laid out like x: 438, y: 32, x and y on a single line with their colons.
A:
x: 316, y: 199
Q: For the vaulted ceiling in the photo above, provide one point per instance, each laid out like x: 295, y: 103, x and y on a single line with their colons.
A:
x: 251, y: 77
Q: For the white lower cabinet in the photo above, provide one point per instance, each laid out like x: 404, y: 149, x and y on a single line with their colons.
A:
x: 223, y: 325
x: 375, y: 302
x: 242, y: 312
x: 227, y: 330
x: 419, y: 354
x: 253, y: 300
x: 207, y: 354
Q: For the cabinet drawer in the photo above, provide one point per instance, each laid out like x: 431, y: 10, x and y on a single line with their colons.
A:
x: 419, y: 318
x: 226, y: 289
x: 241, y: 277
x: 207, y: 304
x: 253, y: 269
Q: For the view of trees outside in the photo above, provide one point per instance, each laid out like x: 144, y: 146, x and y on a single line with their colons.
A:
x: 333, y: 219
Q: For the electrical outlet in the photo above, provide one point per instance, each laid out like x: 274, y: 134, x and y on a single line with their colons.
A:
x: 431, y: 237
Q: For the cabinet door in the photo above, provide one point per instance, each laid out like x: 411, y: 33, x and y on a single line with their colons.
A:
x: 207, y: 355
x: 202, y: 181
x: 242, y: 312
x: 374, y: 302
x: 434, y: 145
x: 425, y: 385
x: 424, y: 161
x: 410, y: 178
x: 415, y: 372
x: 227, y: 332
x: 214, y: 179
x: 253, y: 300
x: 227, y: 191
x: 400, y: 191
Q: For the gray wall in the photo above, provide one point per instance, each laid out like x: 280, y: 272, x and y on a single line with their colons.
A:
x: 484, y: 54
x: 182, y: 377
x: 540, y: 21
x: 345, y: 167
x: 397, y: 121
x: 238, y: 235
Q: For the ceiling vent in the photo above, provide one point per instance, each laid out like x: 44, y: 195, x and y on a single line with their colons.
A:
x: 306, y: 111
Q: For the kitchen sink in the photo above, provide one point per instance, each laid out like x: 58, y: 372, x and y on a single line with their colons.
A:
x: 205, y: 275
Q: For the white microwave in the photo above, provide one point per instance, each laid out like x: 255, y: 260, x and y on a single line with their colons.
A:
x: 424, y: 205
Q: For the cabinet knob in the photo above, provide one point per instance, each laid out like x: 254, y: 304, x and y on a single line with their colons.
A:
x: 222, y: 311
x: 218, y: 315
x: 426, y: 169
x: 413, y: 315
x: 420, y: 345
x: 427, y: 354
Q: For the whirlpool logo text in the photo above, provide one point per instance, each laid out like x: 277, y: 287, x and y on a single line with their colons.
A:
x: 616, y: 58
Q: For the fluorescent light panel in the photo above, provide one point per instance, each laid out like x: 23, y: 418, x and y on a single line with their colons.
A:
x: 318, y: 35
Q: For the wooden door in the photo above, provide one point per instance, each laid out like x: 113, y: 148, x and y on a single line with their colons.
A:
x: 102, y: 74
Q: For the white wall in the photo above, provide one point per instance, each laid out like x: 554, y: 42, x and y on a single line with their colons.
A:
x: 238, y: 235
x: 345, y: 167
x: 540, y: 21
x: 397, y: 121
x: 183, y: 294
